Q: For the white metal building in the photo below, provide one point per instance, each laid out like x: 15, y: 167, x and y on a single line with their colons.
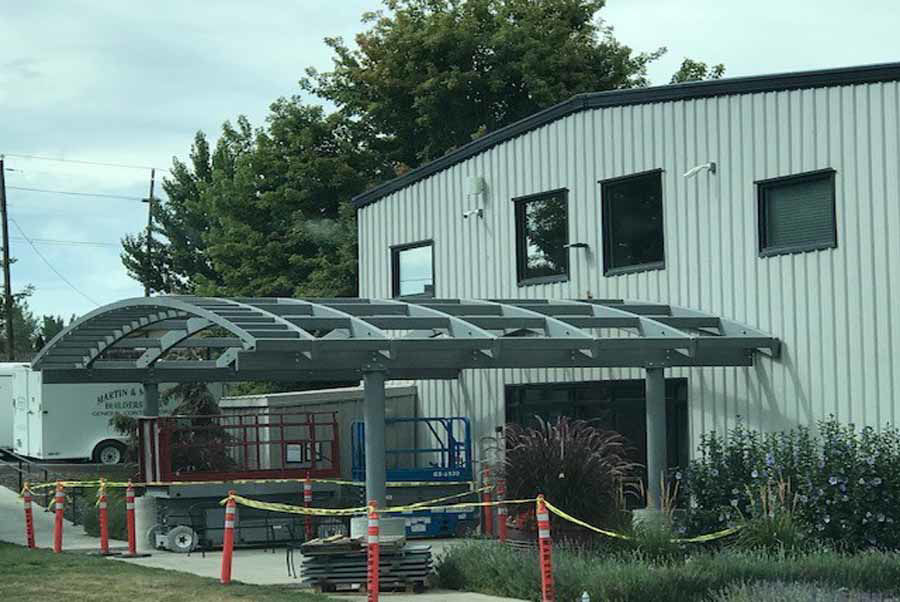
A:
x: 793, y: 231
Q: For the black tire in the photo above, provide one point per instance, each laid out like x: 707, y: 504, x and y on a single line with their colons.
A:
x: 182, y: 539
x: 109, y: 452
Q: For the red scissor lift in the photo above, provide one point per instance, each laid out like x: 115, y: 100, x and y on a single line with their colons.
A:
x: 190, y: 463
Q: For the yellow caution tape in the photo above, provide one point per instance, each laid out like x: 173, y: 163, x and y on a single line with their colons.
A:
x: 114, y: 484
x: 450, y: 497
x: 697, y: 539
x: 581, y: 523
x: 291, y: 509
x: 709, y: 536
x: 428, y: 505
x: 65, y: 484
x: 461, y: 506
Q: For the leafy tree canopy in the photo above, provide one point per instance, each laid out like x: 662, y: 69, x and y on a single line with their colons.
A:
x: 692, y: 70
x: 429, y: 75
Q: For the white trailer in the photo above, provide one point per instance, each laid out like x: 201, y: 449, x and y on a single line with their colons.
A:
x: 7, y: 403
x: 67, y: 421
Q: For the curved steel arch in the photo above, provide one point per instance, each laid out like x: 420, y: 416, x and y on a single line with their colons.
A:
x: 117, y: 320
x: 337, y: 339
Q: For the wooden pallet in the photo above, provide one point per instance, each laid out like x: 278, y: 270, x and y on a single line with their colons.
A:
x: 398, y: 587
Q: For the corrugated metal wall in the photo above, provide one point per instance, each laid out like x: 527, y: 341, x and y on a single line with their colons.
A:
x: 836, y: 311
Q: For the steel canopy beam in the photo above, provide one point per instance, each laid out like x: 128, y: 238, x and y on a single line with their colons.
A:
x: 297, y: 339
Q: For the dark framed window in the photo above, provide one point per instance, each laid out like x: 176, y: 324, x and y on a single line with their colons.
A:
x: 633, y: 238
x: 412, y: 269
x: 542, y: 233
x: 797, y: 213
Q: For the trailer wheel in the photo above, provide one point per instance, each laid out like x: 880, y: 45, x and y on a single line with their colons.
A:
x: 109, y: 452
x: 181, y: 539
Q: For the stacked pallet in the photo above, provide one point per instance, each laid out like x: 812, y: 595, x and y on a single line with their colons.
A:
x: 339, y: 563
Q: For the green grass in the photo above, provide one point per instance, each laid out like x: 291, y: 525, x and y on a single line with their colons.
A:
x: 42, y: 575
x: 492, y: 568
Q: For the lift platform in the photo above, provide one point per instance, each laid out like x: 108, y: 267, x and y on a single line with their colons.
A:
x: 191, y: 462
x: 440, y: 459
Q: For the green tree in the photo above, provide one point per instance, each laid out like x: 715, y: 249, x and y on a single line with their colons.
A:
x: 179, y: 255
x: 429, y: 75
x: 692, y: 70
x: 25, y: 326
x: 266, y: 213
x: 47, y: 328
x: 279, y: 228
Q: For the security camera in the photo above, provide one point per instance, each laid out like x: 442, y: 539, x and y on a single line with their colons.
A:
x: 711, y: 166
x: 476, y: 212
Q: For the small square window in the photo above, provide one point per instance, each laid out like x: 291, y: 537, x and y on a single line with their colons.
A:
x: 412, y: 270
x: 542, y: 233
x: 797, y: 213
x: 633, y: 223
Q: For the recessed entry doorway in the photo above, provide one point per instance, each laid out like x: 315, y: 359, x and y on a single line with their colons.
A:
x: 618, y: 405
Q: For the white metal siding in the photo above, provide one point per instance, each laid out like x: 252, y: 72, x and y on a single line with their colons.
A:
x: 832, y: 309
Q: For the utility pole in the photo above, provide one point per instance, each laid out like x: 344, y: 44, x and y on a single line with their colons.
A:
x: 7, y: 284
x: 148, y: 260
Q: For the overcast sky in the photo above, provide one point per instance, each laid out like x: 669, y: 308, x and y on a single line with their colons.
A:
x: 127, y: 82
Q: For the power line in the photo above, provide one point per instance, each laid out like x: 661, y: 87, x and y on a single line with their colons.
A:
x: 69, y: 193
x: 54, y: 241
x: 49, y: 265
x: 99, y: 163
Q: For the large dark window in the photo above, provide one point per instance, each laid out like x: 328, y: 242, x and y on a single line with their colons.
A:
x: 633, y: 223
x: 412, y: 269
x: 542, y: 233
x: 796, y: 213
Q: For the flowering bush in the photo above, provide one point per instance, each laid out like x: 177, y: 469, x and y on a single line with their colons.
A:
x: 845, y: 483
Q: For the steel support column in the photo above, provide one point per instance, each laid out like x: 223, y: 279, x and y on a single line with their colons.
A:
x: 375, y: 456
x: 656, y: 435
x: 151, y: 399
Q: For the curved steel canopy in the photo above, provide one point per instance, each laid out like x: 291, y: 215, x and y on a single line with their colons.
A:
x: 185, y: 339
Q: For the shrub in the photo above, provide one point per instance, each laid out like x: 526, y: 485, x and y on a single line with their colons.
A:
x: 653, y: 542
x: 772, y: 524
x: 115, y: 513
x: 576, y: 465
x: 846, y: 483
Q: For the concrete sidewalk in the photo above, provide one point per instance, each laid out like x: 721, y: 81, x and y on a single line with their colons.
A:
x: 262, y: 567
x: 12, y: 526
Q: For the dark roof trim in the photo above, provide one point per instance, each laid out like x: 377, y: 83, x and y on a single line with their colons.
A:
x: 739, y: 85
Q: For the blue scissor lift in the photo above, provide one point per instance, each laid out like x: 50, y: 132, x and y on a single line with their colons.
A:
x: 443, y: 459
